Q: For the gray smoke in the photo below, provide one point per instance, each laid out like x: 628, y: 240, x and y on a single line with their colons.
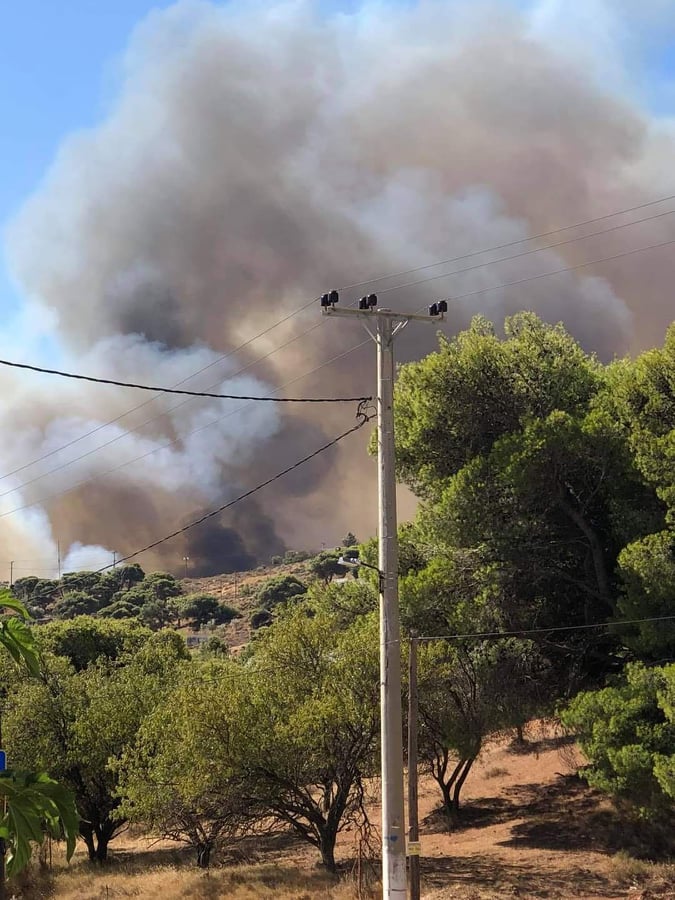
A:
x: 257, y: 155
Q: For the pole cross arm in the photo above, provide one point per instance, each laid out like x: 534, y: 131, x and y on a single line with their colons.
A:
x: 379, y: 314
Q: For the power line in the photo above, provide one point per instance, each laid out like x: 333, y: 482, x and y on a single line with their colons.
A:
x: 363, y: 419
x: 532, y: 250
x: 573, y: 268
x: 145, y: 403
x: 163, y: 390
x: 525, y: 632
x: 164, y: 446
x: 503, y: 246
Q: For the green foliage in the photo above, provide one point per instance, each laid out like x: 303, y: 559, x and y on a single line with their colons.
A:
x: 627, y: 732
x: 350, y: 540
x: 279, y: 589
x: 158, y: 614
x: 34, y: 803
x: 32, y: 800
x: 467, y: 695
x: 459, y: 591
x: 309, y: 732
x: 214, y: 646
x: 325, y: 566
x: 15, y: 636
x: 184, y: 743
x: 647, y: 569
x: 531, y: 490
x: 161, y: 586
x: 73, y: 724
x: 75, y: 603
x: 453, y: 405
x: 296, y: 556
x: 345, y: 602
x: 260, y: 618
x: 642, y: 398
x: 36, y: 591
x: 84, y: 640
x: 287, y: 736
x: 203, y: 608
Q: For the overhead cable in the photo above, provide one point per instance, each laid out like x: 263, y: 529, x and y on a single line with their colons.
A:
x: 527, y: 632
x: 363, y: 417
x: 165, y: 390
x: 523, y: 240
x: 157, y: 449
x: 103, y: 425
x: 491, y: 262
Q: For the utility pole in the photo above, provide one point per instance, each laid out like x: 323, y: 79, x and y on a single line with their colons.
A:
x: 11, y: 573
x: 58, y: 557
x: 387, y: 325
x: 186, y: 560
x: 413, y: 822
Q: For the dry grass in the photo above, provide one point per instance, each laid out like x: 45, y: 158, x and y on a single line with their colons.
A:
x: 496, y: 772
x: 140, y: 866
x: 178, y: 883
x: 627, y: 870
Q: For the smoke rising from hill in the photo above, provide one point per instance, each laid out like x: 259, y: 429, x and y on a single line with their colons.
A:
x: 255, y: 156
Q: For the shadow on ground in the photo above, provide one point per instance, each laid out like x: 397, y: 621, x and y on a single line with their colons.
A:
x: 564, y: 815
x: 484, y: 873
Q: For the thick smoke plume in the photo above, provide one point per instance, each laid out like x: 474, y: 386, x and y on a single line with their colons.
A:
x: 257, y: 155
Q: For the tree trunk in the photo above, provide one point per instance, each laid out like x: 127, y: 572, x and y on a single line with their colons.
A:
x: 204, y: 854
x: 446, y: 784
x: 459, y: 784
x: 597, y: 552
x: 87, y: 833
x: 327, y: 836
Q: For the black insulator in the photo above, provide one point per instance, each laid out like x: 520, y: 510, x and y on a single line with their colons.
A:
x: 372, y: 300
x: 442, y: 306
x: 333, y: 298
x: 363, y: 303
x: 324, y: 300
x: 433, y: 309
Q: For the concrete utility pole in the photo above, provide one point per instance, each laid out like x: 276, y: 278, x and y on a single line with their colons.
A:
x: 413, y: 820
x: 387, y: 325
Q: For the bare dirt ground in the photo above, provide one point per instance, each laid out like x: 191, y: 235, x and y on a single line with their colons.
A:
x: 530, y: 829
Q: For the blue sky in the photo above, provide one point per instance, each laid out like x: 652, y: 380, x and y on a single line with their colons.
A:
x: 59, y: 65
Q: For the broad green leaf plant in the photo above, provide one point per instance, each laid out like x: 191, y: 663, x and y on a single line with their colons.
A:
x: 33, y: 804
